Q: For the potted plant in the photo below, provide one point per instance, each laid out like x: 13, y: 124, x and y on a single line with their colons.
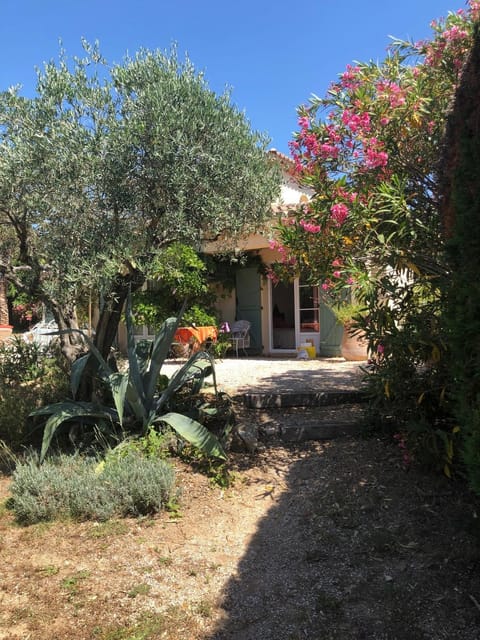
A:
x: 354, y: 344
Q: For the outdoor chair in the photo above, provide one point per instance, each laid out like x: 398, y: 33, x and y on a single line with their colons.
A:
x: 240, y: 336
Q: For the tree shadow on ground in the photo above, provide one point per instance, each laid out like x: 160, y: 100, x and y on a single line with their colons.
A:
x: 356, y: 547
x: 306, y: 380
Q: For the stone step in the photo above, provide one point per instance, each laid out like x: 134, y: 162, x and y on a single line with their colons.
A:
x: 308, y: 399
x: 300, y: 423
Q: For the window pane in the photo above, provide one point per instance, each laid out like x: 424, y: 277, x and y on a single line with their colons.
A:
x: 308, y: 297
x: 309, y: 320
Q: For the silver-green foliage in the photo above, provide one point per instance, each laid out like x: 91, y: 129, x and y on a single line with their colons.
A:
x: 107, y: 166
x: 80, y: 488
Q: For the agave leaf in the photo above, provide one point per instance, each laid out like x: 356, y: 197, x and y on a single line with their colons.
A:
x: 78, y: 367
x: 135, y: 403
x: 93, y: 351
x: 118, y: 383
x: 160, y: 348
x: 195, y: 433
x: 65, y: 411
x: 133, y: 365
x: 143, y: 353
x: 198, y: 367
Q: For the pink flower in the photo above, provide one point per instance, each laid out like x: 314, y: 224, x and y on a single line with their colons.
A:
x: 375, y: 159
x: 337, y: 274
x: 328, y: 284
x: 356, y: 121
x: 271, y: 275
x: 329, y: 151
x: 348, y: 79
x: 304, y: 122
x: 310, y: 227
x: 311, y: 143
x: 336, y: 263
x: 339, y: 213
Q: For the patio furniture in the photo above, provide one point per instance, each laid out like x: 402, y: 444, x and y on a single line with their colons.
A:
x: 195, y: 338
x: 240, y: 336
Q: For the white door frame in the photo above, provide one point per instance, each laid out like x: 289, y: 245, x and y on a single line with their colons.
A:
x: 299, y: 336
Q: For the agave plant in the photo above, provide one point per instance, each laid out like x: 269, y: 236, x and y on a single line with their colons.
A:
x: 135, y: 394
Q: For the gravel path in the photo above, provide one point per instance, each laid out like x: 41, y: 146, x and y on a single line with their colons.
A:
x: 242, y: 375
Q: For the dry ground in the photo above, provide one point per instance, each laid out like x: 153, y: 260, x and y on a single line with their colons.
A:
x: 318, y: 541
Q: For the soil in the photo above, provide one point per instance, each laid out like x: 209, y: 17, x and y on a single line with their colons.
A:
x: 321, y: 540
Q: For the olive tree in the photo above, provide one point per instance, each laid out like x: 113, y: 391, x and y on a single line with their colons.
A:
x: 107, y: 166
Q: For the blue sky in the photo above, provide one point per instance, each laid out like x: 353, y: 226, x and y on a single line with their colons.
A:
x: 272, y: 53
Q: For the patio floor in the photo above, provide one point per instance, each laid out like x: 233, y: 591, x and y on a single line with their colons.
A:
x: 283, y: 375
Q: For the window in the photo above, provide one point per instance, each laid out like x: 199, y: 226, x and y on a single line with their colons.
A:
x: 309, y: 308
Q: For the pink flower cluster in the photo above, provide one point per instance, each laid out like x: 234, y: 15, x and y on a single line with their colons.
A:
x: 327, y: 285
x: 351, y: 196
x: 452, y: 42
x: 474, y: 6
x: 356, y: 121
x: 374, y: 154
x: 285, y: 258
x: 310, y: 227
x: 349, y: 78
x: 304, y: 122
x: 311, y: 143
x: 329, y: 151
x: 392, y: 92
x: 339, y: 213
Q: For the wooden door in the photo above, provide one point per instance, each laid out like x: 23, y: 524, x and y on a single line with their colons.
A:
x: 248, y: 299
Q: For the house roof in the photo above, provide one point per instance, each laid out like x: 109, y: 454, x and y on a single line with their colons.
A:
x: 285, y: 209
x: 282, y: 157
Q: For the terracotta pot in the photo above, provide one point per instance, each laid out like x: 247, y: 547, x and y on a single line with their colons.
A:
x: 354, y: 347
x: 5, y: 331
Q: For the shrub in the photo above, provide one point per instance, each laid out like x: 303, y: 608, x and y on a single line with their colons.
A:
x: 29, y: 378
x: 460, y: 208
x: 21, y: 361
x: 199, y: 316
x: 43, y: 494
x: 79, y: 488
x: 139, y: 485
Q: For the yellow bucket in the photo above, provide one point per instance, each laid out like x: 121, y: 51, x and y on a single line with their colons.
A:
x: 310, y: 350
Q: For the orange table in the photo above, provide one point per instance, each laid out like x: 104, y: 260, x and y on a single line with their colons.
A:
x: 196, y: 337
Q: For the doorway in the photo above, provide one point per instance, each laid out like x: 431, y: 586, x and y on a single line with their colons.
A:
x: 283, y: 316
x: 295, y: 315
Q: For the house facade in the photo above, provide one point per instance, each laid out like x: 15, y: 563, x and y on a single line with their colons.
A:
x: 283, y: 316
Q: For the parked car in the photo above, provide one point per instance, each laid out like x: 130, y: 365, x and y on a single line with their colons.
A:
x: 42, y: 333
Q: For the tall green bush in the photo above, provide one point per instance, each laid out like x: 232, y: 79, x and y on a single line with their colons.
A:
x: 369, y: 151
x: 461, y: 215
